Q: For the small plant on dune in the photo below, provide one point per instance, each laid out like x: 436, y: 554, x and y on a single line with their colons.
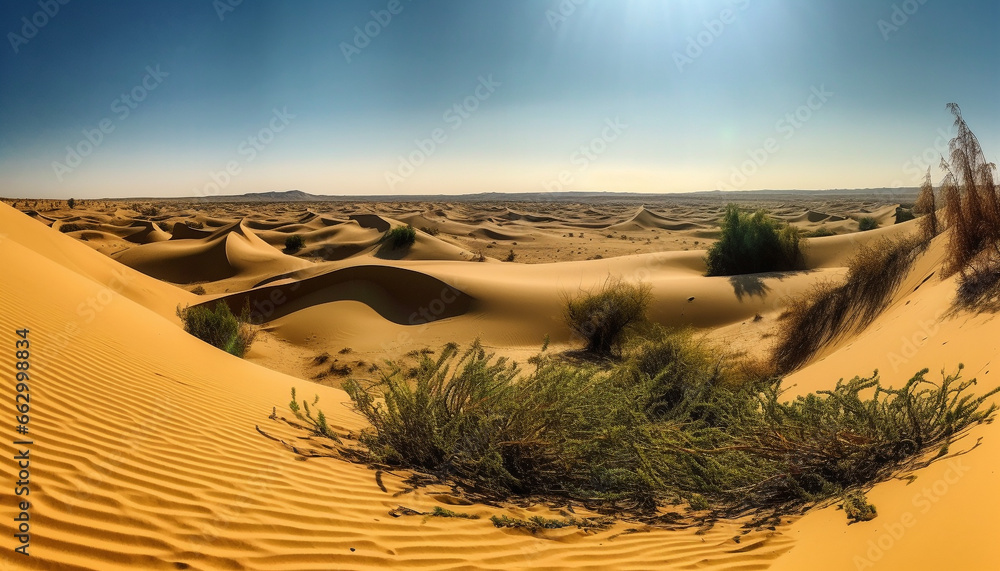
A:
x: 439, y: 511
x: 511, y: 256
x: 198, y: 290
x: 294, y: 243
x: 400, y: 237
x: 602, y: 317
x: 857, y: 508
x: 926, y: 207
x: 752, y: 243
x: 429, y: 230
x: 71, y: 203
x: 867, y: 223
x: 829, y: 310
x: 220, y: 327
x: 904, y: 214
x: 820, y: 232
x: 317, y: 424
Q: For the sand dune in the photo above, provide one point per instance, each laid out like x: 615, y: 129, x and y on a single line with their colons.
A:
x: 148, y: 452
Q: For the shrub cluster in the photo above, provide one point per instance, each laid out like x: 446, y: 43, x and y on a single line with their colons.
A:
x: 753, y: 243
x: 220, y: 327
x: 866, y: 223
x: 668, y: 423
x: 294, y: 243
x: 400, y: 237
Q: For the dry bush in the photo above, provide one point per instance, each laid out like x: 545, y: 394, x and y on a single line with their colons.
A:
x: 602, y: 317
x: 979, y: 284
x: 926, y: 207
x: 970, y: 194
x: 830, y: 310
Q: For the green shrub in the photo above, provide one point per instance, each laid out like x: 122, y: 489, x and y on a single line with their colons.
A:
x: 602, y: 317
x: 400, y: 237
x: 867, y: 223
x: 820, y: 232
x: 904, y: 214
x: 219, y: 327
x: 294, y: 243
x: 711, y: 438
x: 753, y: 243
x: 857, y: 508
x: 71, y: 203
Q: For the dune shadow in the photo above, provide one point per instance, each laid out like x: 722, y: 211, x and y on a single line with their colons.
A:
x: 753, y: 285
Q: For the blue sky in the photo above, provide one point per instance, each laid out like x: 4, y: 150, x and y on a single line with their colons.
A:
x: 621, y: 95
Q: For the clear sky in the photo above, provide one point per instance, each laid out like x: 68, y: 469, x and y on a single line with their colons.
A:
x: 192, y: 97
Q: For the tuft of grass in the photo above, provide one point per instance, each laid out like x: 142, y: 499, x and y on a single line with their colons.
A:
x: 318, y: 424
x: 829, y: 310
x: 667, y: 422
x: 602, y: 317
x: 220, y: 327
x: 867, y: 223
x: 294, y: 243
x: 400, y: 237
x: 857, y: 508
x: 429, y: 230
x: 198, y: 290
x: 511, y: 256
x: 753, y: 243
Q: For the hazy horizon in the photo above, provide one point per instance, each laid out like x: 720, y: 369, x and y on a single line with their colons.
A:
x: 393, y: 97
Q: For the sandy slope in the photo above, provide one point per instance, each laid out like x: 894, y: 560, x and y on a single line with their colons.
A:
x: 147, y: 455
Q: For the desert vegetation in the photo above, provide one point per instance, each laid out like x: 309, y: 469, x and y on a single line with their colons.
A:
x: 829, y: 310
x: 866, y: 223
x: 602, y: 317
x: 972, y: 202
x: 294, y: 243
x: 400, y: 237
x: 233, y: 334
x: 753, y: 242
x: 668, y: 423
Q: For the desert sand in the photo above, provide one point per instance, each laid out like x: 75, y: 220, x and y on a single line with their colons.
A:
x: 145, y: 449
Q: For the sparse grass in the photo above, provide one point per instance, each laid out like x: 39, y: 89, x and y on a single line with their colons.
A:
x: 317, y: 424
x: 219, y: 327
x: 829, y: 310
x: 867, y: 223
x: 400, y: 237
x: 439, y: 511
x: 670, y: 423
x: 601, y: 317
x: 294, y: 243
x: 429, y: 230
x: 198, y: 290
x: 752, y: 243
